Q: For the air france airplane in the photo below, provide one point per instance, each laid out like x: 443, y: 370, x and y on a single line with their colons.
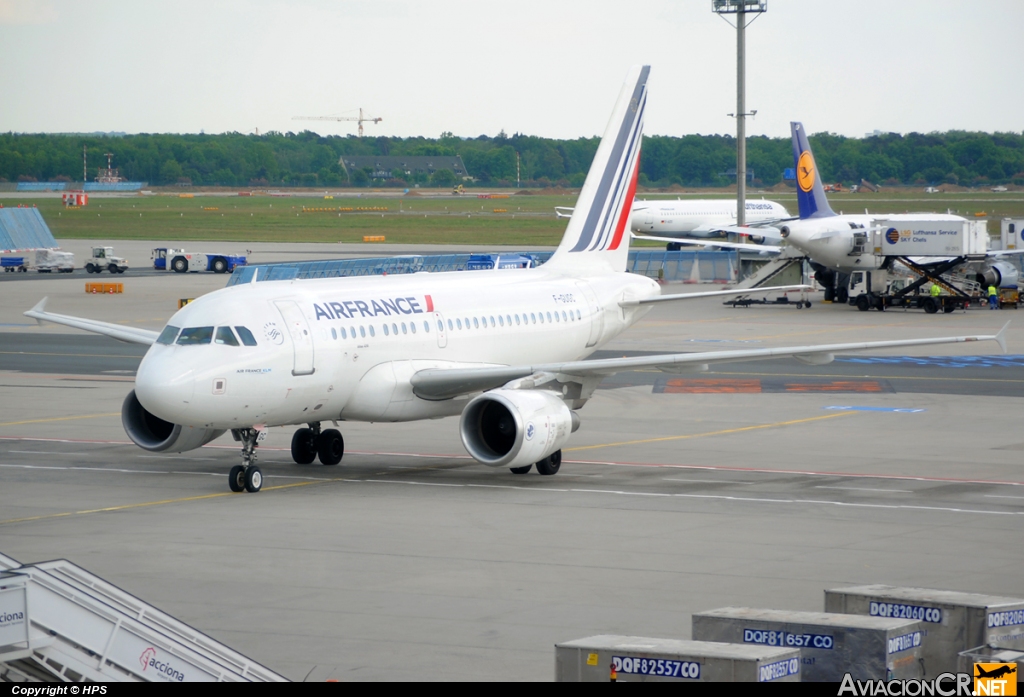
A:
x: 503, y: 349
x: 839, y: 243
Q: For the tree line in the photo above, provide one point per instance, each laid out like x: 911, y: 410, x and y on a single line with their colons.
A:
x: 307, y: 159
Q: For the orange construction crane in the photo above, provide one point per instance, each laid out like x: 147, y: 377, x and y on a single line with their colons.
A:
x: 360, y: 119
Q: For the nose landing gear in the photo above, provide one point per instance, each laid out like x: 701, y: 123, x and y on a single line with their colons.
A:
x: 246, y: 476
x: 310, y: 443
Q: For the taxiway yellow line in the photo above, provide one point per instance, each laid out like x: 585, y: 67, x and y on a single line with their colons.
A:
x: 724, y: 432
x: 146, y: 504
x: 60, y: 418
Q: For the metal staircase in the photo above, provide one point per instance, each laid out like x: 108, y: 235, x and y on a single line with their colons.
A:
x: 787, y: 258
x: 58, y: 622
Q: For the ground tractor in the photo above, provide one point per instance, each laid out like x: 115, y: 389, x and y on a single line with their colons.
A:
x: 180, y: 261
x: 103, y: 258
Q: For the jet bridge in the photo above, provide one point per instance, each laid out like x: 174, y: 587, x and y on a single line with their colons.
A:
x: 58, y: 622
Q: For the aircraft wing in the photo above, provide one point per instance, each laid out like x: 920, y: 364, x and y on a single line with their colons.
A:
x: 768, y: 232
x: 712, y: 293
x: 440, y: 383
x: 131, y: 335
x: 1003, y: 252
x: 564, y: 211
x: 760, y: 249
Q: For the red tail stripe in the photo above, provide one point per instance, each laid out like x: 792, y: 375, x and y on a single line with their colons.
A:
x: 430, y: 303
x: 627, y: 206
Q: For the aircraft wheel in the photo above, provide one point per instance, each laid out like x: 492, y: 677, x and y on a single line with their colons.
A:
x: 520, y: 470
x: 330, y: 446
x: 236, y: 478
x: 550, y: 464
x: 862, y: 303
x: 303, y: 446
x: 253, y: 479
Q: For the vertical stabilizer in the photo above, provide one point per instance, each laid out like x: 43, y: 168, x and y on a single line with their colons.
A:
x: 810, y: 194
x: 597, y: 239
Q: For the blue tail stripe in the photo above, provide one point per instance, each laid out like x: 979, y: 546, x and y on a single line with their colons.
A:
x: 608, y: 176
x: 810, y: 194
x: 621, y: 186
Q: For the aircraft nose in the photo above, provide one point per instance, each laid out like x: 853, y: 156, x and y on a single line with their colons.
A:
x: 165, y: 390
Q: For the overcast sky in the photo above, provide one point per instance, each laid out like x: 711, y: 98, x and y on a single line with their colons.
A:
x: 542, y: 67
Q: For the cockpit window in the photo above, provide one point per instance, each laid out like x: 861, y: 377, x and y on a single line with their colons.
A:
x: 168, y: 335
x: 191, y: 336
x: 226, y: 336
x: 246, y: 336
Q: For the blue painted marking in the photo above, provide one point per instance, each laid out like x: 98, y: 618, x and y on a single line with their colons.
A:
x: 895, y: 409
x: 1011, y: 361
x: 17, y: 324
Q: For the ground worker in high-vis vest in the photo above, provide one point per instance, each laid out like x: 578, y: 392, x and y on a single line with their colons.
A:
x: 993, y: 298
x: 936, y: 290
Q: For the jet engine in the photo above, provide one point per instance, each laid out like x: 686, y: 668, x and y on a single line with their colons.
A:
x: 513, y: 428
x: 756, y: 239
x: 784, y: 231
x: 1000, y: 274
x: 152, y: 433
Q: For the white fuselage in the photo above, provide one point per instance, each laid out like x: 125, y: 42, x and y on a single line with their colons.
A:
x: 346, y: 348
x: 843, y: 242
x: 698, y: 218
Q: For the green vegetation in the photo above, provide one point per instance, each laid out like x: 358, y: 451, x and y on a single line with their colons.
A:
x: 413, y: 219
x: 308, y: 160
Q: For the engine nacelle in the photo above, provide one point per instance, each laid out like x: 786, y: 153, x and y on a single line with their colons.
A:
x: 784, y: 231
x: 756, y: 239
x: 513, y: 428
x: 1000, y: 274
x: 152, y: 433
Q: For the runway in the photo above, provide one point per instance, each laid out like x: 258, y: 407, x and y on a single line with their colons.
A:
x: 410, y: 561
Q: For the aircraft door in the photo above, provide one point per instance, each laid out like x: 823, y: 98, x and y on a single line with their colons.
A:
x: 596, y: 314
x: 442, y: 333
x: 302, y: 339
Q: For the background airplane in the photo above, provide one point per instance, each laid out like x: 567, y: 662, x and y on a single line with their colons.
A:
x: 838, y: 244
x: 503, y: 349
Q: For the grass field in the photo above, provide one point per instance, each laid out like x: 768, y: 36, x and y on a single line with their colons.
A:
x: 525, y: 220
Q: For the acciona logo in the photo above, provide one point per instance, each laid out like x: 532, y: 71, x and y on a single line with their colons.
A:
x: 164, y: 670
x: 10, y: 618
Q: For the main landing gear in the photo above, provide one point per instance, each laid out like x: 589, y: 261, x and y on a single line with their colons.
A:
x: 246, y: 476
x: 548, y: 465
x: 310, y: 443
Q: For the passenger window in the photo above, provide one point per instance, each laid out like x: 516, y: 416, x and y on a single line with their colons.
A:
x: 517, y: 319
x: 564, y: 318
x: 344, y: 334
x: 533, y: 318
x: 476, y: 323
x: 394, y: 328
x: 458, y: 323
x: 501, y: 320
x: 556, y: 316
x: 362, y: 331
x: 426, y: 326
x: 440, y: 328
x: 226, y: 336
x: 372, y: 333
x: 168, y: 335
x: 246, y: 336
x: 353, y: 330
x: 549, y: 317
x: 403, y: 328
x: 193, y: 336
x: 508, y: 318
x: 542, y: 317
x: 492, y: 320
x: 385, y: 329
x: 578, y: 315
x: 334, y: 333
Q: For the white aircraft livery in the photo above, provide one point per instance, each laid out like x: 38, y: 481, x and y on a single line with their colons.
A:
x: 503, y: 348
x: 705, y: 218
x: 840, y: 243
